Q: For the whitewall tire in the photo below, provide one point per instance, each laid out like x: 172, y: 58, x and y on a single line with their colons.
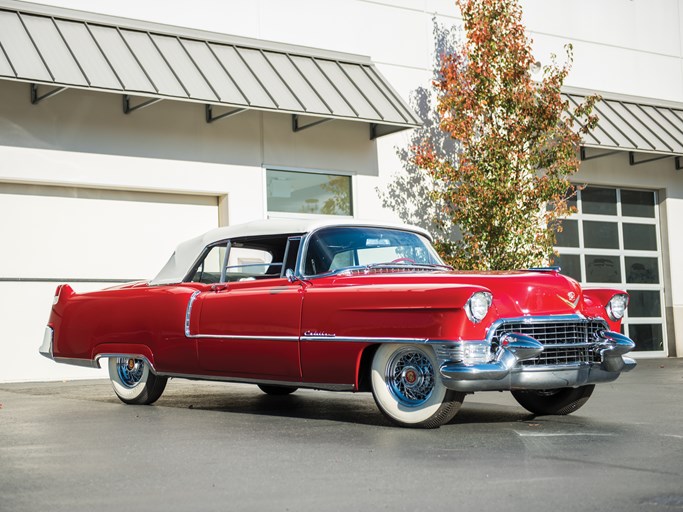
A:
x: 407, y: 387
x: 134, y: 382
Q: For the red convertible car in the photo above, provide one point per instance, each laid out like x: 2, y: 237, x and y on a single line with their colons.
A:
x: 346, y: 306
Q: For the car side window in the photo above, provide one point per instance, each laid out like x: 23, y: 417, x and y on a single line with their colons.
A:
x: 247, y: 263
x: 243, y: 259
x: 208, y: 271
x: 291, y: 254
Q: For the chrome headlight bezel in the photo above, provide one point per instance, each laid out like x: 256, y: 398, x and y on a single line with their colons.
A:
x: 616, y: 307
x: 477, y: 306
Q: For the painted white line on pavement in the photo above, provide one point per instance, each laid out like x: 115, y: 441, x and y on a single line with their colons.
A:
x: 561, y: 434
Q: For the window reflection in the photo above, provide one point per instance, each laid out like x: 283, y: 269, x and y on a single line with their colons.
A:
x: 603, y: 269
x: 641, y: 270
x: 305, y: 192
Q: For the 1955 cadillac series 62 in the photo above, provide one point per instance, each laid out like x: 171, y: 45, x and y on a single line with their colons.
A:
x: 346, y: 306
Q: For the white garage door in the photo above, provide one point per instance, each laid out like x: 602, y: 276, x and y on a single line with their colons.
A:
x: 88, y: 238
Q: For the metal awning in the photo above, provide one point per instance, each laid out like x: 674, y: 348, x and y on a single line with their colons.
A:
x: 635, y: 125
x: 60, y: 49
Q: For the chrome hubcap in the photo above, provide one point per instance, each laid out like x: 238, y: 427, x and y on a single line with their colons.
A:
x: 130, y: 371
x: 410, y: 377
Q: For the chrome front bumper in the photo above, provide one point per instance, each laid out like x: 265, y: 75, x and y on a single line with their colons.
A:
x: 504, y: 373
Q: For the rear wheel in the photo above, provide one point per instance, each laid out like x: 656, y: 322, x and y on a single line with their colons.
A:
x: 560, y: 401
x: 407, y: 388
x: 277, y: 390
x: 134, y: 382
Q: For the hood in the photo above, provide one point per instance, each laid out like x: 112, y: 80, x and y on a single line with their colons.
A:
x: 515, y: 293
x: 529, y: 293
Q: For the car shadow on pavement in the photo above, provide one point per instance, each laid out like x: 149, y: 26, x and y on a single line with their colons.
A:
x: 305, y: 404
x: 358, y: 408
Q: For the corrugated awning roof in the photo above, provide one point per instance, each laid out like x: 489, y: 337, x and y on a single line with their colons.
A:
x: 72, y: 49
x: 634, y: 124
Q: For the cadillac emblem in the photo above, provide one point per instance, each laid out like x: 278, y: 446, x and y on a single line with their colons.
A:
x: 572, y: 300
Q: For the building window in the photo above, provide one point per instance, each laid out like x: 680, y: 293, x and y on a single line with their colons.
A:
x: 308, y: 193
x: 613, y: 241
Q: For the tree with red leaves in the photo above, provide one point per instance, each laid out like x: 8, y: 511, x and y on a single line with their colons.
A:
x: 507, y: 183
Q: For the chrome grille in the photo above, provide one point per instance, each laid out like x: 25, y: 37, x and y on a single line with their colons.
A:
x: 557, y: 339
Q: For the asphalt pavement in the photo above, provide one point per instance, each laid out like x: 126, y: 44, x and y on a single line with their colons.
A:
x: 72, y: 446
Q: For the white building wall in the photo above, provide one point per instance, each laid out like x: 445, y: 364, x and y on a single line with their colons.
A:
x: 83, y: 139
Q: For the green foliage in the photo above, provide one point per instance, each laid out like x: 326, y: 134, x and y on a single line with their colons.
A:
x: 507, y: 184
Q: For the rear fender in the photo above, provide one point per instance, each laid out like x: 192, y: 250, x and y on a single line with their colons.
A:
x: 62, y: 295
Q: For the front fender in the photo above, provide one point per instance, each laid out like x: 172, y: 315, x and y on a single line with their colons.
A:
x: 396, y: 310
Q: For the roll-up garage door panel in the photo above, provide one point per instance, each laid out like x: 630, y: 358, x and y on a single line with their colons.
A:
x: 76, y: 233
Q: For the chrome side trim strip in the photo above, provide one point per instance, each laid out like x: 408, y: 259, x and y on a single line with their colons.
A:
x: 368, y: 339
x: 66, y: 280
x: 243, y: 337
x: 188, y: 313
x: 244, y: 380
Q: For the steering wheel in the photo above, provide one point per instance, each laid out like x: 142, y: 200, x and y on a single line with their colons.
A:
x: 403, y: 260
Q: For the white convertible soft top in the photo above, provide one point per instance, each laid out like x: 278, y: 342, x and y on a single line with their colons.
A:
x: 186, y: 254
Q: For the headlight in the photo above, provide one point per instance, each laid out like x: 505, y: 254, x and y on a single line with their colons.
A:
x: 477, y: 306
x: 616, y: 307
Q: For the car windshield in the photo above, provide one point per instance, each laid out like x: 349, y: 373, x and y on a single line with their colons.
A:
x: 338, y: 248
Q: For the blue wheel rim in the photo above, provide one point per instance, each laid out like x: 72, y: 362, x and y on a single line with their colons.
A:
x: 130, y: 371
x: 410, y: 377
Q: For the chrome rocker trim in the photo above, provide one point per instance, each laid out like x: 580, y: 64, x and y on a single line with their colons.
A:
x: 75, y: 361
x: 244, y: 380
x: 504, y: 374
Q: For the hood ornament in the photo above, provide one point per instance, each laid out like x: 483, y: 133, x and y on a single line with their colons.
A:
x: 572, y: 299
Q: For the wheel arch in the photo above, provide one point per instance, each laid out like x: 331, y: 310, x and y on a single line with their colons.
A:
x: 136, y: 351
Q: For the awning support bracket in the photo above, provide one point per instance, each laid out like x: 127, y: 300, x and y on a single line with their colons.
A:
x: 35, y: 97
x: 584, y: 154
x: 296, y: 127
x: 210, y: 118
x: 127, y: 108
x: 632, y: 158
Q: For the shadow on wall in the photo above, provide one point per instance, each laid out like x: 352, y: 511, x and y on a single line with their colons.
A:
x: 411, y: 192
x: 93, y: 122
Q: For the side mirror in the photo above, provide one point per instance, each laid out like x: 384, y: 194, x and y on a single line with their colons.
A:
x: 291, y: 277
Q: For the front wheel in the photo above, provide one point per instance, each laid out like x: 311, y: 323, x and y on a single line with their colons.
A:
x: 407, y: 388
x: 560, y: 401
x: 133, y: 381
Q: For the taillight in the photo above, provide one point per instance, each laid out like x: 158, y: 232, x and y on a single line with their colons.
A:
x: 63, y: 291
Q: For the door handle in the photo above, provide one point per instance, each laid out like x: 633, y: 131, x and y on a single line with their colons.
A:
x: 218, y: 287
